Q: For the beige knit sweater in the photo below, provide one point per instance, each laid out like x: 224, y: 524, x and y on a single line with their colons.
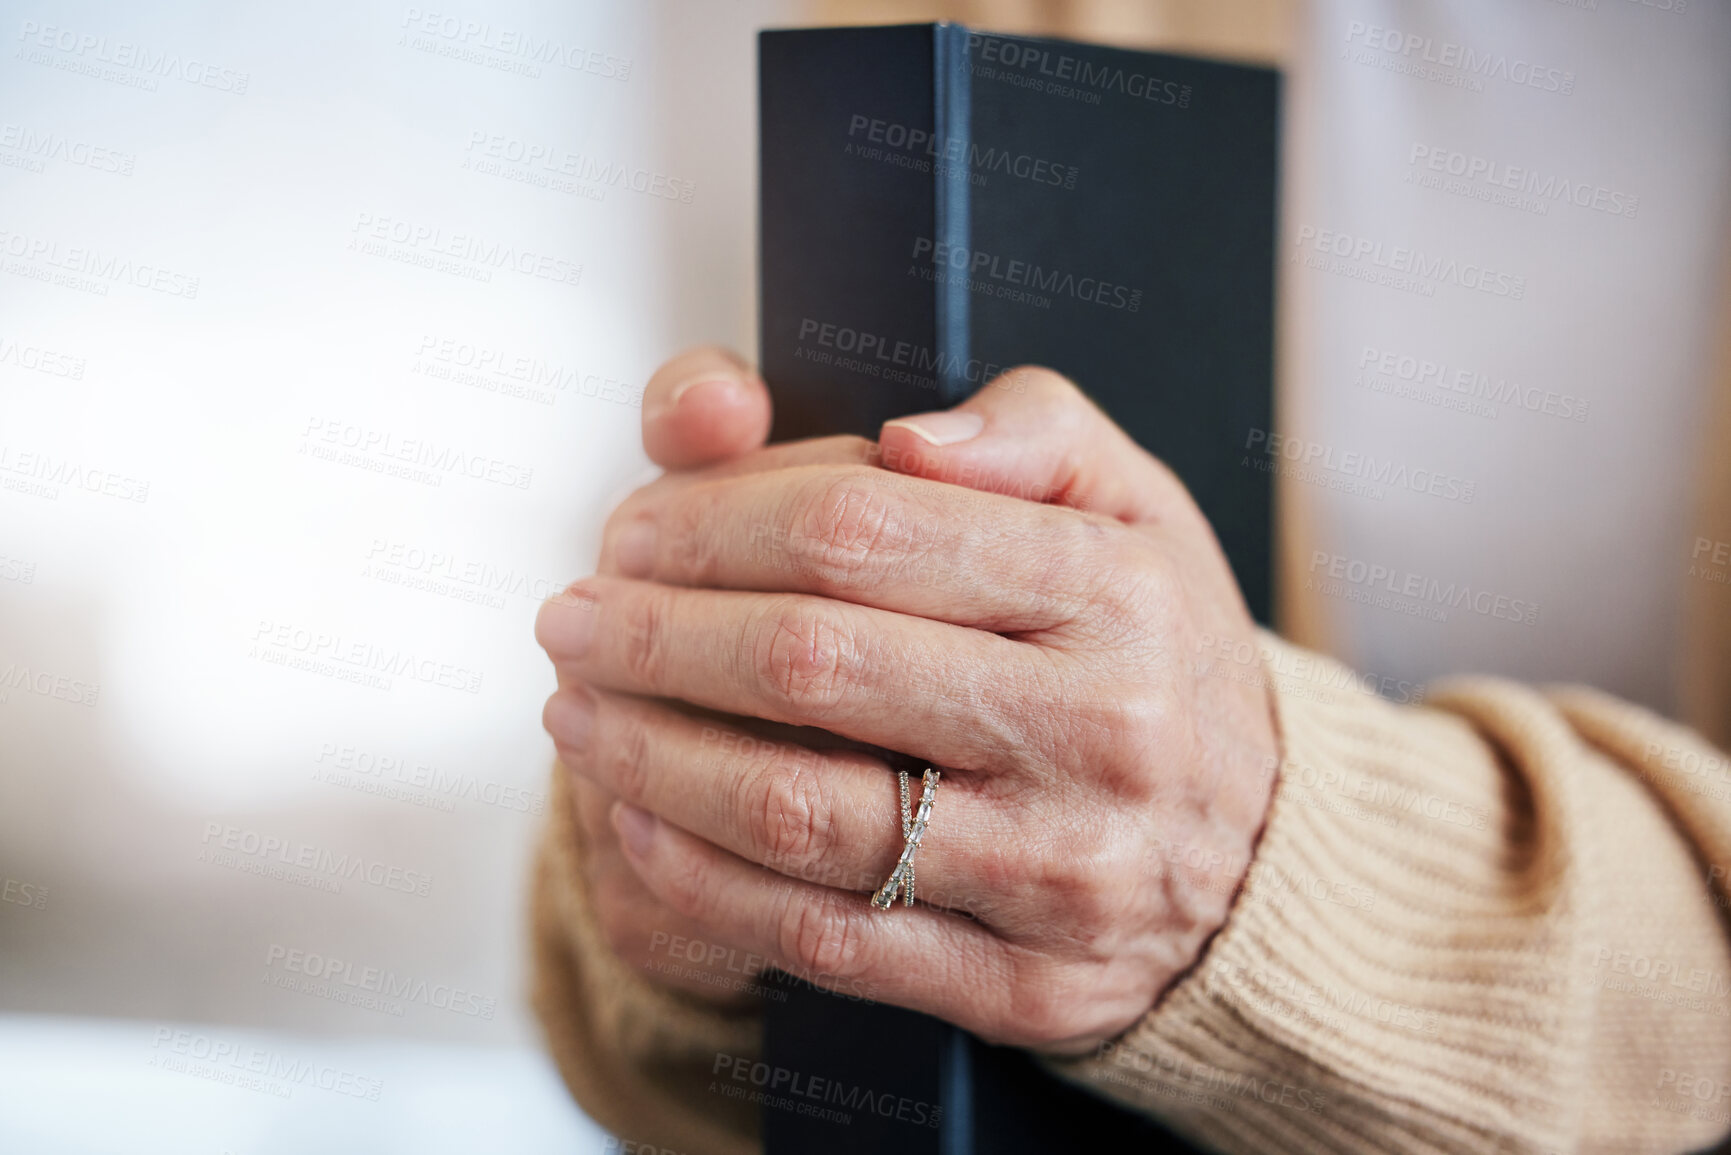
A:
x: 1490, y: 922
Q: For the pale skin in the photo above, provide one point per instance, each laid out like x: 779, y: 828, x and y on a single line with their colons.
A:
x: 1011, y: 591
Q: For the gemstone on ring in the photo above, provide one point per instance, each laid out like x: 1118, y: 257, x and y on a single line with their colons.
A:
x: 913, y: 830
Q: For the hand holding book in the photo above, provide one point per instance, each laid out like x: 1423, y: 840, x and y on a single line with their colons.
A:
x: 1012, y: 591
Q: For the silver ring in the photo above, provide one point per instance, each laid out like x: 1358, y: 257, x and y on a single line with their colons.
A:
x: 913, y: 829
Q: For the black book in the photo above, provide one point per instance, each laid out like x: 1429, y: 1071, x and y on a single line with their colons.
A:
x: 940, y: 204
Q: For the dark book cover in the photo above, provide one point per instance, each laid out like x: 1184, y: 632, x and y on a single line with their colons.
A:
x: 938, y: 205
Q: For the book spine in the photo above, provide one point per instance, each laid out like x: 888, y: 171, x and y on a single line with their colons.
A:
x: 952, y: 87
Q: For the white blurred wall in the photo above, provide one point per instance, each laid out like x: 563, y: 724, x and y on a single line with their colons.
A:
x: 232, y: 641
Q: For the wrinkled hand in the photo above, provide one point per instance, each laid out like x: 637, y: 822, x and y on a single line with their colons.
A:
x: 1011, y: 591
x: 705, y: 415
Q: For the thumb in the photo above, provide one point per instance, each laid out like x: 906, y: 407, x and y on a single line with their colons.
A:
x: 1031, y: 433
x: 703, y: 407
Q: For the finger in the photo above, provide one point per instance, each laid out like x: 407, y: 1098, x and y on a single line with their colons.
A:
x: 857, y: 533
x: 843, y: 449
x: 1031, y: 433
x: 914, y: 957
x: 868, y: 674
x: 704, y: 406
x: 831, y: 818
x: 644, y: 932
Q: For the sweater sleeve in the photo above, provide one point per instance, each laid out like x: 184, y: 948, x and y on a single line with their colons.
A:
x: 639, y: 1058
x: 1490, y: 922
x: 1487, y: 922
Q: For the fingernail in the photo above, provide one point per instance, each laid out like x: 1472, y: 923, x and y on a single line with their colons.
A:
x: 716, y: 388
x: 634, y: 551
x: 573, y: 718
x: 945, y: 428
x: 636, y: 828
x: 566, y: 624
x: 710, y: 388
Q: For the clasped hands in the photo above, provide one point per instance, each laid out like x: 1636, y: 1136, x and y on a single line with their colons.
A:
x: 1011, y: 591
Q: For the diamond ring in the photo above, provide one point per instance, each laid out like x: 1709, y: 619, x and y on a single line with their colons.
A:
x: 913, y: 829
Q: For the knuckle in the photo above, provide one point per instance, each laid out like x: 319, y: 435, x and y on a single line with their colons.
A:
x: 846, y: 528
x: 689, y: 548
x: 805, y: 656
x: 1129, y: 731
x: 1043, y: 383
x: 686, y: 885
x: 791, y: 819
x: 1137, y: 585
x: 821, y: 936
x: 627, y: 753
x: 1095, y: 891
x: 644, y: 638
x: 1064, y: 409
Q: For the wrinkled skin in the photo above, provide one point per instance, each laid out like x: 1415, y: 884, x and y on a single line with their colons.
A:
x: 1026, y: 607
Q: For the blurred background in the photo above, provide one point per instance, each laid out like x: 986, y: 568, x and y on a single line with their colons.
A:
x: 323, y: 331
